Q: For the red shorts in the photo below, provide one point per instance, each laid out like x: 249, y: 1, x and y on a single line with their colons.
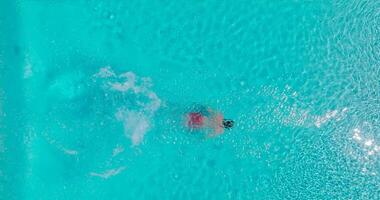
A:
x: 195, y: 120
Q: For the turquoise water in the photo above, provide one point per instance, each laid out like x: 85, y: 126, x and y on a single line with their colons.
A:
x: 92, y: 94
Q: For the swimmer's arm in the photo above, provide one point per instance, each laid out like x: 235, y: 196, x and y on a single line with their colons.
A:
x: 215, y: 133
x: 217, y: 126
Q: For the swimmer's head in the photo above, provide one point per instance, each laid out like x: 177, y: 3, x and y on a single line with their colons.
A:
x: 228, y: 123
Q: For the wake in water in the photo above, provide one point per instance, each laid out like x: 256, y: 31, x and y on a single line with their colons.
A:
x: 141, y: 105
x: 109, y: 173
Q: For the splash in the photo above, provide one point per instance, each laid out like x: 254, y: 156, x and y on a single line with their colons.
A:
x: 366, y: 140
x: 136, y: 113
x: 336, y: 115
x: 28, y: 68
x: 109, y: 173
x: 61, y: 147
x: 116, y: 151
x: 290, y: 110
x: 136, y: 124
x: 28, y: 71
x: 367, y: 148
x: 70, y: 151
x: 105, y: 72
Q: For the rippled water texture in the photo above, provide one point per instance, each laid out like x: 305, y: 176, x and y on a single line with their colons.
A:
x: 92, y: 96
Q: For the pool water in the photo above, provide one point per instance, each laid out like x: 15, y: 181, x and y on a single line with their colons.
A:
x: 93, y: 92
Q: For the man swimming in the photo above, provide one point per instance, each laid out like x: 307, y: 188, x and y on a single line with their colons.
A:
x: 201, y: 117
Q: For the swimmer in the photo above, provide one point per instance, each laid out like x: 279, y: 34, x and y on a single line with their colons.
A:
x: 201, y: 117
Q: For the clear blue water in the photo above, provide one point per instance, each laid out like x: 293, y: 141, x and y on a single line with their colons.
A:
x: 92, y: 93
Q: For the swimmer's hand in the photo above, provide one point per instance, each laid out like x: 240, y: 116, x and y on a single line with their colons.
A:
x: 215, y: 133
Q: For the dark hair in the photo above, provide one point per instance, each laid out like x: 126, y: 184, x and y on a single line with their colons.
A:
x: 228, y: 123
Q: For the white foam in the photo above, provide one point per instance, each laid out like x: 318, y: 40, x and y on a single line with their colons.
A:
x: 136, y: 119
x: 320, y: 120
x: 105, y: 72
x: 356, y: 134
x: 60, y: 147
x: 70, y: 151
x: 28, y: 70
x: 301, y: 117
x: 366, y: 152
x: 116, y: 151
x: 336, y: 115
x: 135, y: 125
x: 109, y: 173
x: 296, y: 114
x: 368, y: 144
x: 154, y: 104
